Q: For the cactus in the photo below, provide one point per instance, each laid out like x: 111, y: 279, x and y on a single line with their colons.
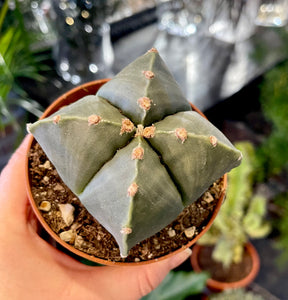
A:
x: 135, y: 153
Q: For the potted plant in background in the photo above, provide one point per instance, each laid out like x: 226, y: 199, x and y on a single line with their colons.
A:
x: 236, y: 294
x: 17, y: 61
x: 137, y: 157
x: 225, y: 249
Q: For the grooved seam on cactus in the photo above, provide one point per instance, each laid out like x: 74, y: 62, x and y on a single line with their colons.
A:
x: 136, y: 189
x: 166, y: 167
x: 104, y: 163
x: 211, y: 139
x: 84, y: 119
x: 148, y: 82
x: 204, y: 138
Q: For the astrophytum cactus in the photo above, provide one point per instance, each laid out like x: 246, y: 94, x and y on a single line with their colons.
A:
x: 135, y: 153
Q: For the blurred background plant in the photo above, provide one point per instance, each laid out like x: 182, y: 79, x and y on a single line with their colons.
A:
x: 272, y: 154
x: 17, y: 62
x: 236, y: 294
x: 281, y: 225
x: 242, y: 215
x: 179, y: 285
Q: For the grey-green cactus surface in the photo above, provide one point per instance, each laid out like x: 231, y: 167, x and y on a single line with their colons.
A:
x: 135, y: 153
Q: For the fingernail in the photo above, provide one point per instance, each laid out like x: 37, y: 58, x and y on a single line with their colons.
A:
x: 179, y: 258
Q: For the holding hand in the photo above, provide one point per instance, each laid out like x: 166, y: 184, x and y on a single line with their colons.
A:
x: 30, y: 268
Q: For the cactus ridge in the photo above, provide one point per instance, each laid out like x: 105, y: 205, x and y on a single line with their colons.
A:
x: 162, y: 90
x: 135, y: 154
x: 80, y: 139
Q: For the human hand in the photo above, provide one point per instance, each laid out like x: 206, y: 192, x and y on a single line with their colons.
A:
x: 30, y: 268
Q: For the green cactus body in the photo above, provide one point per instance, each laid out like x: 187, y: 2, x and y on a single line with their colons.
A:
x: 138, y: 81
x: 135, y: 154
x: 204, y: 141
x: 64, y: 135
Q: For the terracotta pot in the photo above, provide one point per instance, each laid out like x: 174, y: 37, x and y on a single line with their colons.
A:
x: 66, y: 99
x: 219, y: 286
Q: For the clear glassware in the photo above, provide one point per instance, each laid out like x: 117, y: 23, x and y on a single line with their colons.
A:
x: 83, y: 51
x: 230, y: 20
x: 179, y: 17
x: 272, y: 13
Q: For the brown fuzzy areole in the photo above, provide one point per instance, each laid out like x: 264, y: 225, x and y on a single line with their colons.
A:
x: 149, y: 132
x: 56, y: 119
x: 213, y: 140
x: 181, y: 134
x: 145, y: 103
x: 138, y: 153
x: 93, y: 120
x: 127, y: 126
x: 132, y: 190
x: 149, y: 74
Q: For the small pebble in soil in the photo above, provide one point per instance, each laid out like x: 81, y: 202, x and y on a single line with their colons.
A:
x: 46, y: 179
x: 171, y: 232
x: 67, y: 213
x: 45, y: 206
x: 208, y: 197
x: 68, y: 236
x: 59, y: 187
x: 189, y: 232
x: 46, y: 165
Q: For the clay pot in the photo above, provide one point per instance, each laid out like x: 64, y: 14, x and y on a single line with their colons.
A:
x: 218, y: 286
x: 66, y: 99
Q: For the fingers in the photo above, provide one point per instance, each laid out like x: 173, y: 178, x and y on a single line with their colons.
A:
x: 132, y: 282
x: 155, y: 273
x: 13, y: 197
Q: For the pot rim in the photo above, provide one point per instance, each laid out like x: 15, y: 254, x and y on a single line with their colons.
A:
x: 216, y: 285
x: 83, y: 90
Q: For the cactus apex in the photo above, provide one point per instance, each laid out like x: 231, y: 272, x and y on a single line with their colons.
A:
x: 132, y: 189
x: 148, y: 74
x: 93, y: 120
x: 138, y: 153
x: 56, y: 119
x: 181, y: 134
x: 127, y: 126
x: 144, y: 103
x: 213, y: 140
x: 146, y: 132
x: 149, y: 132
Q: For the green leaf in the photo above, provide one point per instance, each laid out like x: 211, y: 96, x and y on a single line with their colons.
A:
x: 179, y: 285
x: 3, y: 13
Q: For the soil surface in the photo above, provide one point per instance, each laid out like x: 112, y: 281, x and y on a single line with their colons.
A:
x: 87, y: 235
x: 233, y: 273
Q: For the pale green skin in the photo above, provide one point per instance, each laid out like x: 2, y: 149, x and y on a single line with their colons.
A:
x: 95, y: 161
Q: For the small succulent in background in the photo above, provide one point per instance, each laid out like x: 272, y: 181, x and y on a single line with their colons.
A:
x: 135, y: 153
x: 242, y: 216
